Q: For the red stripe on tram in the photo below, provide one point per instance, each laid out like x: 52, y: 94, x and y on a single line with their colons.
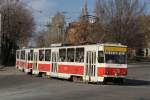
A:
x: 111, y: 71
x: 44, y: 67
x: 71, y: 69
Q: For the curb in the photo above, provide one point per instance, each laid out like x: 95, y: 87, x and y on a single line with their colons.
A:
x: 2, y: 67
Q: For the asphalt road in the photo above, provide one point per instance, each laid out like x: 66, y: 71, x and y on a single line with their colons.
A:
x: 16, y: 85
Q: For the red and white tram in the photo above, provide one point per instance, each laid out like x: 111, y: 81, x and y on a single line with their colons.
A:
x: 41, y: 61
x: 24, y: 60
x: 28, y: 60
x: 20, y: 59
x: 89, y: 63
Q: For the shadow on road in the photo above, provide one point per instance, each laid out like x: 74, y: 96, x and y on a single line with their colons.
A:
x: 134, y: 82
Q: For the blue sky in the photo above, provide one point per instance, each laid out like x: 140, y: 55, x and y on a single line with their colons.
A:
x: 44, y: 9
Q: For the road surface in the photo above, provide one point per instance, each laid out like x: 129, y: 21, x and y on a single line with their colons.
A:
x: 15, y: 85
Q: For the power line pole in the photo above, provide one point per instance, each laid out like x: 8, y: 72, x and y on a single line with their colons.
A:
x: 0, y: 41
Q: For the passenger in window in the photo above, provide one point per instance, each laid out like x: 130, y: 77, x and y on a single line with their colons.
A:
x: 47, y: 58
x: 110, y: 61
x: 41, y: 58
x: 61, y: 59
x: 72, y: 59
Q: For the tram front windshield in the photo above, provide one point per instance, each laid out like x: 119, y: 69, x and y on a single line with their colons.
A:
x: 112, y: 57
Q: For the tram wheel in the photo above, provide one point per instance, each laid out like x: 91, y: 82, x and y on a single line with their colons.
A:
x: 30, y: 73
x: 119, y: 81
x: 43, y: 75
x: 74, y: 79
x: 77, y: 79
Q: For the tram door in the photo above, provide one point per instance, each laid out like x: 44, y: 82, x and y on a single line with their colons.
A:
x: 26, y: 60
x: 54, y: 62
x: 90, y: 65
x: 35, y: 57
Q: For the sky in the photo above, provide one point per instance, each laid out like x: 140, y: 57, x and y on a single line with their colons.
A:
x: 43, y: 10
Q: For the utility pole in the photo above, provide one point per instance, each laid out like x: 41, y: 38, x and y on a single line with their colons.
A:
x: 0, y: 41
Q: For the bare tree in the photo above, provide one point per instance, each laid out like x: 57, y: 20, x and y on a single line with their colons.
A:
x: 77, y: 33
x: 121, y: 19
x: 146, y: 28
x: 40, y: 40
x: 17, y: 28
x: 85, y: 30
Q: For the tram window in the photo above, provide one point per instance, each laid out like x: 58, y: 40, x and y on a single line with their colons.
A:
x: 79, y: 55
x: 17, y: 54
x: 41, y: 55
x: 48, y: 55
x: 22, y: 55
x: 70, y: 54
x: 101, y: 57
x: 62, y: 55
x: 115, y: 57
x: 31, y: 54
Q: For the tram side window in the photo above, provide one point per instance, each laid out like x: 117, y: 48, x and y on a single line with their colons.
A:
x: 29, y: 56
x: 17, y: 54
x: 23, y: 55
x: 62, y: 55
x: 41, y: 55
x: 70, y: 54
x: 79, y: 55
x: 48, y: 55
x: 31, y: 53
x: 101, y: 57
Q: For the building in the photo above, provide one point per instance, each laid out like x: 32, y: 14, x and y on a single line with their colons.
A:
x: 147, y: 51
x: 147, y: 26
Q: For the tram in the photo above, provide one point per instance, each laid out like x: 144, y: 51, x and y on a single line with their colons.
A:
x: 24, y: 60
x: 20, y: 59
x: 88, y: 63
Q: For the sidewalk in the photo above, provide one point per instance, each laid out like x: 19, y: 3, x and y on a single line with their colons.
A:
x: 10, y: 71
x: 1, y: 66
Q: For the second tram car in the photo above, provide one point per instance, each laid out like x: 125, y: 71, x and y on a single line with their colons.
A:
x: 20, y: 59
x: 24, y: 60
x: 89, y: 63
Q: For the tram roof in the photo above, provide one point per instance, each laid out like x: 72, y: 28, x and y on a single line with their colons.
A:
x: 79, y: 45
x: 91, y: 44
